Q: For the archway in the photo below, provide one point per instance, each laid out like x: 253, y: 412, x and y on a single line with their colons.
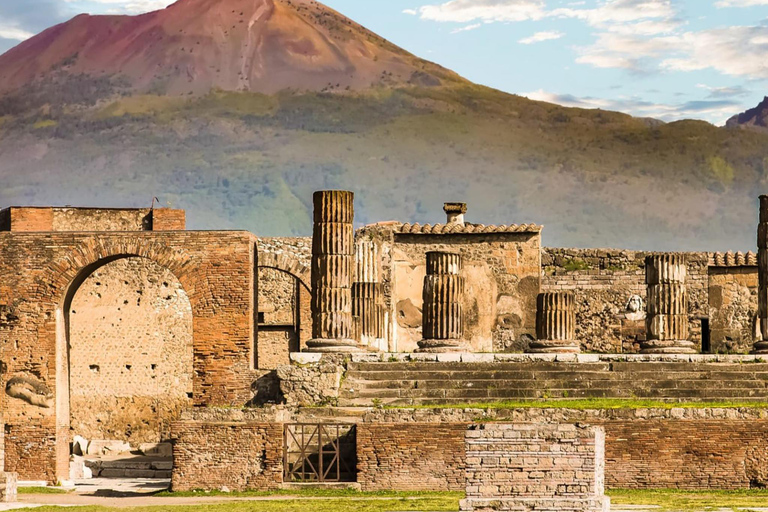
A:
x: 128, y: 324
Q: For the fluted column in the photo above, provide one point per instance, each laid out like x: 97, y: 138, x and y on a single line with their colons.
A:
x: 666, y: 323
x: 442, y: 313
x: 555, y: 324
x: 332, y: 255
x: 761, y: 346
x: 367, y: 294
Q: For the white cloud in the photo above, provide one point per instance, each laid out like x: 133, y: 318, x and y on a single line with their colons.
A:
x: 740, y: 3
x: 626, y: 51
x: 15, y: 33
x: 412, y: 12
x: 464, y: 11
x: 467, y: 28
x: 125, y: 6
x: 715, y: 111
x: 735, y: 51
x: 541, y: 36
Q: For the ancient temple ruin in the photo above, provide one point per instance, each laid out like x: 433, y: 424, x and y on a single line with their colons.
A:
x: 119, y: 327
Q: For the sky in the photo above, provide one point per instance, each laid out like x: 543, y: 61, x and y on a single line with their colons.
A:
x: 666, y: 59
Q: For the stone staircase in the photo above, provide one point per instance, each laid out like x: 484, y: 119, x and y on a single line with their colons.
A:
x: 445, y: 383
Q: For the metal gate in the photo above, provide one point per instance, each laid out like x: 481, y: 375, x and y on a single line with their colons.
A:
x: 319, y: 452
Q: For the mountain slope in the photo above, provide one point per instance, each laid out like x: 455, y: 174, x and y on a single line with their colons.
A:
x: 94, y: 130
x: 754, y: 118
x: 193, y: 46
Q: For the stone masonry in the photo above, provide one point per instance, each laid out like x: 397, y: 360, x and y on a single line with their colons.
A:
x: 535, y: 467
x: 761, y: 347
x: 332, y: 259
x: 555, y: 324
x: 667, y: 320
x: 443, y: 314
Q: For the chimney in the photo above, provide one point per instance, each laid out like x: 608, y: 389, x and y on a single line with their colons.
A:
x: 455, y: 212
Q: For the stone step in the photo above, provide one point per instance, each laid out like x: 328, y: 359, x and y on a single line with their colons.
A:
x: 622, y: 366
x: 130, y: 467
x: 672, y: 383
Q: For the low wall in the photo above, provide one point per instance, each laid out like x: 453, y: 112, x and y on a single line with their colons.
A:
x: 411, y: 457
x: 28, y: 448
x: 535, y: 467
x: 238, y: 455
x: 423, y: 449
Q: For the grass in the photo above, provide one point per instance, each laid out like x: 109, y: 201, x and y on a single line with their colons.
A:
x: 41, y: 490
x: 318, y: 493
x: 691, y: 501
x: 595, y: 403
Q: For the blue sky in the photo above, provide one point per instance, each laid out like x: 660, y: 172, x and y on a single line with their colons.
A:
x: 668, y: 59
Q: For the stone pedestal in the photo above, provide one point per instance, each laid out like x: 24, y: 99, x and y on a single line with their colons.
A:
x: 555, y: 324
x: 8, y: 487
x: 442, y: 313
x: 368, y: 308
x: 761, y: 346
x: 667, y: 320
x: 332, y: 257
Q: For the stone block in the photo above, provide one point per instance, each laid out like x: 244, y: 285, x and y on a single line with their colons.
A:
x: 108, y: 447
x: 306, y: 357
x: 477, y: 358
x: 8, y: 487
x: 449, y: 358
x: 156, y: 449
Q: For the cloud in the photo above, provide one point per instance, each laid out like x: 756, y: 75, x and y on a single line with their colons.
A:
x: 467, y: 28
x: 465, y: 11
x: 626, y: 51
x: 124, y: 6
x: 716, y: 111
x: 740, y: 3
x: 735, y: 51
x: 541, y: 36
x: 13, y: 32
x: 724, y: 92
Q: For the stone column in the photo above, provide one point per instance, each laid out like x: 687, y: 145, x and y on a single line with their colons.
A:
x: 666, y: 323
x: 367, y: 295
x: 442, y: 320
x: 761, y: 346
x: 555, y: 324
x: 332, y: 255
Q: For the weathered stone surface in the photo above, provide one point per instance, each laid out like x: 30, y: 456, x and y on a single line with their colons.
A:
x: 761, y: 346
x: 332, y: 269
x: 311, y: 384
x: 8, y: 487
x: 555, y: 324
x: 30, y: 389
x: 667, y: 319
x: 535, y: 467
x: 368, y: 296
x: 442, y: 311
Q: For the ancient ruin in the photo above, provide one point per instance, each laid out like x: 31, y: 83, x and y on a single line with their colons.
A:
x: 125, y: 335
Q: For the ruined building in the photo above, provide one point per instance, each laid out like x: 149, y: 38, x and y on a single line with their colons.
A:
x: 119, y: 325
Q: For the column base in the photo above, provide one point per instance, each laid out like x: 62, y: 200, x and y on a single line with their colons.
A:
x: 441, y: 346
x: 760, y: 347
x: 668, y: 347
x: 554, y: 347
x: 327, y: 346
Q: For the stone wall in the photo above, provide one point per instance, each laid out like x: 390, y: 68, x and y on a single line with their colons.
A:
x: 732, y: 309
x: 603, y: 280
x: 37, y: 219
x: 527, y: 467
x: 39, y: 275
x: 502, y: 273
x: 411, y: 456
x: 235, y: 456
x: 130, y: 352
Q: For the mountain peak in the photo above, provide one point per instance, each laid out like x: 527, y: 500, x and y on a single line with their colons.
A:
x: 193, y: 46
x: 756, y: 118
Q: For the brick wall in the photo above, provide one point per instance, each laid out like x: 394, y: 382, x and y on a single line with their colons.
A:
x: 130, y: 352
x: 239, y: 456
x: 603, y: 280
x: 693, y: 454
x: 167, y: 219
x: 30, y: 451
x: 411, y: 456
x: 31, y: 219
x: 530, y: 467
x: 41, y: 271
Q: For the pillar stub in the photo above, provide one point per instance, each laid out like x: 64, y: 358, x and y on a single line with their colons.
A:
x: 555, y: 324
x: 442, y: 321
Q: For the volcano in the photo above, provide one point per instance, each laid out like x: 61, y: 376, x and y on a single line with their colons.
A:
x: 194, y: 46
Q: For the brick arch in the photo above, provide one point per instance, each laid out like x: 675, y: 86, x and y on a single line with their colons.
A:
x: 288, y: 265
x: 62, y: 275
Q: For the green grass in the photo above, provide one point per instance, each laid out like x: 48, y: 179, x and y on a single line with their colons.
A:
x: 586, y: 404
x: 318, y: 493
x: 41, y: 490
x: 439, y: 504
x: 691, y: 501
